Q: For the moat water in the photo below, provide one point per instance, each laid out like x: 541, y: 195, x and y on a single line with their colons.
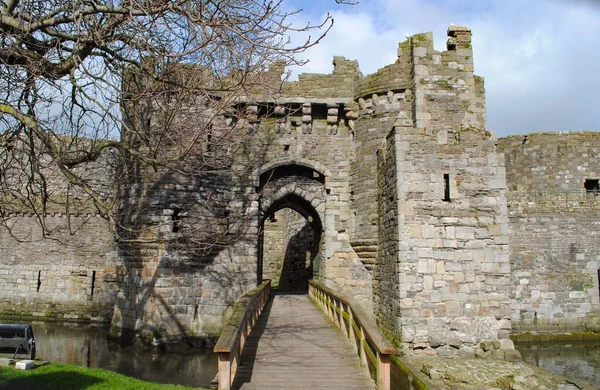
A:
x: 87, y: 346
x: 578, y: 360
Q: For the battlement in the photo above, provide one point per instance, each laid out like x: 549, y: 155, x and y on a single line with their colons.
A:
x: 459, y: 38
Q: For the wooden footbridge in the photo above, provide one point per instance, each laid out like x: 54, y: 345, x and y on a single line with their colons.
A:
x: 285, y: 342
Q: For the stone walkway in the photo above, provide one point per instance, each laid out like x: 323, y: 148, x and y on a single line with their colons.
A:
x: 294, y: 346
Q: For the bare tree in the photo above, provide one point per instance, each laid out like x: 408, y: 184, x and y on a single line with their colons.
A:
x: 87, y: 84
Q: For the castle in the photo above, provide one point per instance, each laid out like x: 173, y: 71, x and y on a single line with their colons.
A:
x: 387, y: 187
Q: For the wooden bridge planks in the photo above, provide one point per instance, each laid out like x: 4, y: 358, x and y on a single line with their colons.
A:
x: 294, y: 346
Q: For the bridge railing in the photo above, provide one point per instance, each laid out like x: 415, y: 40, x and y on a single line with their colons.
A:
x: 230, y: 345
x: 373, y: 348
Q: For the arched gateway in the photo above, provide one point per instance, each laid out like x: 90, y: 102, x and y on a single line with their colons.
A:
x: 292, y: 202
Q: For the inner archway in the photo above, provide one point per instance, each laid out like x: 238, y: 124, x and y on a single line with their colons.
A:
x: 290, y: 249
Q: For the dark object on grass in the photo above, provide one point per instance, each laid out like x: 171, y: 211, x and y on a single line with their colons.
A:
x: 17, y: 339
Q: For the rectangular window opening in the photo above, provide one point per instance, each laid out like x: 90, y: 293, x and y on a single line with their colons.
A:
x: 446, y: 187
x: 592, y: 185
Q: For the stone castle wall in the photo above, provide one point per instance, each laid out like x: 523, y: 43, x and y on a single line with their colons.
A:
x: 554, y: 230
x: 288, y: 152
x: 410, y: 209
x: 68, y: 272
x: 443, y: 229
x: 71, y: 277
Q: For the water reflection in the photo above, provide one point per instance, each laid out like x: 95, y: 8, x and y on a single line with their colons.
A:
x: 87, y: 345
x: 574, y: 359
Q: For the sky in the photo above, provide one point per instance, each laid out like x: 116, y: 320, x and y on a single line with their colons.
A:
x: 540, y: 58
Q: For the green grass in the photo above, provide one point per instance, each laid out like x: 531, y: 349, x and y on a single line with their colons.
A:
x: 61, y: 376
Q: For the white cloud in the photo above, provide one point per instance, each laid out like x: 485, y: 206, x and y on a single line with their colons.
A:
x: 539, y: 57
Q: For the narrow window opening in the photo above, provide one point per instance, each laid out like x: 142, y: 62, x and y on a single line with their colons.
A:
x: 176, y: 218
x: 286, y: 148
x: 39, y: 281
x: 209, y: 138
x: 599, y: 283
x: 93, y: 282
x: 446, y: 187
x: 592, y: 185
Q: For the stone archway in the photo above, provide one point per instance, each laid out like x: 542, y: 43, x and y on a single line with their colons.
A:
x: 291, y: 211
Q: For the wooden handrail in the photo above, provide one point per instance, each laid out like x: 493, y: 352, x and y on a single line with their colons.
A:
x: 359, y: 328
x: 230, y: 345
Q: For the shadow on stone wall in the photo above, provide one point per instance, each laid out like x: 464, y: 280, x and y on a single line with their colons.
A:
x: 174, y: 227
x: 298, y: 262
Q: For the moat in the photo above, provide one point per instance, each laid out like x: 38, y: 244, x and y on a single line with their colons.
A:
x: 88, y: 346
x: 578, y: 360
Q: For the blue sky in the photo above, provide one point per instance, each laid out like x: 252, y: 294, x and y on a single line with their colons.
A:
x: 540, y: 58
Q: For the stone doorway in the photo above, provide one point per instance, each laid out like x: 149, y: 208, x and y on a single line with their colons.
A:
x: 290, y: 250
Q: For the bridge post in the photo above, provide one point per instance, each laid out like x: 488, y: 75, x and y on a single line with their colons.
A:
x: 224, y: 371
x: 351, y: 335
x: 342, y: 320
x: 383, y: 372
x: 362, y: 354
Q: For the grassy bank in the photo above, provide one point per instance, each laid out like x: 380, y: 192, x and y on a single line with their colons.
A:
x: 61, y: 376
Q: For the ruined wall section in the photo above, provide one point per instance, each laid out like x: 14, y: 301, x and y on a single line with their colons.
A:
x: 453, y: 262
x: 550, y: 163
x: 554, y: 229
x: 341, y: 83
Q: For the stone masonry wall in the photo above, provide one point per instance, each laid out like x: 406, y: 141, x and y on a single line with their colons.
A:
x: 67, y: 272
x: 169, y: 291
x: 385, y: 281
x: 274, y: 246
x: 297, y: 266
x: 555, y: 231
x: 454, y: 273
x: 70, y: 278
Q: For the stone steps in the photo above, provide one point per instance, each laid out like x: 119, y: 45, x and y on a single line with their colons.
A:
x: 367, y: 251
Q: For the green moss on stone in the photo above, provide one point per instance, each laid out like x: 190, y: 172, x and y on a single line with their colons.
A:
x: 444, y: 84
x: 416, y: 382
x: 421, y: 37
